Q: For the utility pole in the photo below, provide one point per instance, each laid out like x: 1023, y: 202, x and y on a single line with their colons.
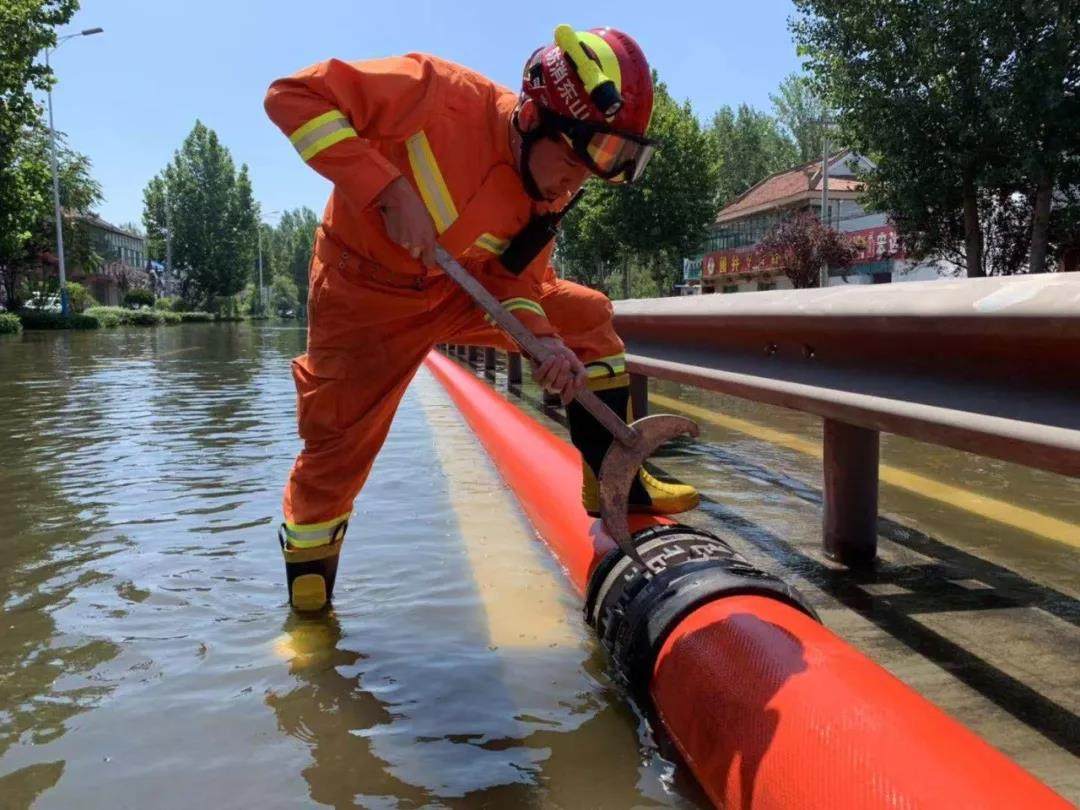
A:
x: 825, y: 219
x: 168, y: 237
x: 65, y: 305
x: 262, y: 290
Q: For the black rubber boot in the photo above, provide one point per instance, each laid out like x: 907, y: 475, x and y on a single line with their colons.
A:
x: 310, y: 572
x: 593, y: 440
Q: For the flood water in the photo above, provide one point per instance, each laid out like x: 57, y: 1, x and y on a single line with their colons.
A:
x: 147, y: 654
x: 148, y: 657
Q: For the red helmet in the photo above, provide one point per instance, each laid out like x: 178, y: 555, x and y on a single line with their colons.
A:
x: 595, y: 89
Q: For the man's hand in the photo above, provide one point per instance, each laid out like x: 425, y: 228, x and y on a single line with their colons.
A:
x: 562, y: 373
x: 407, y: 220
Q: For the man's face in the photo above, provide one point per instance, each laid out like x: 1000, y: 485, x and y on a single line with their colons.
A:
x: 556, y: 169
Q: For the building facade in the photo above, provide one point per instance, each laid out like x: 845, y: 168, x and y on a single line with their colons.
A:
x: 732, y: 261
x: 122, y: 261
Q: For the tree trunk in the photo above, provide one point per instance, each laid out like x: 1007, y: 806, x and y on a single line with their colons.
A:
x: 973, y: 239
x: 1040, y: 221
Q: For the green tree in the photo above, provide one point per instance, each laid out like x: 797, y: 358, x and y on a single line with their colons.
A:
x: 968, y: 108
x: 801, y: 114
x: 213, y: 217
x: 79, y: 192
x: 284, y: 297
x: 292, y: 243
x: 656, y: 221
x: 26, y: 28
x: 751, y: 146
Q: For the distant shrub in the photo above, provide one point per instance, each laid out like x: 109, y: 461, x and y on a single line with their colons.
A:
x: 108, y: 320
x: 196, y: 317
x: 138, y: 297
x: 170, y: 318
x: 128, y: 317
x: 34, y: 319
x: 166, y: 303
x: 79, y: 297
x: 10, y: 323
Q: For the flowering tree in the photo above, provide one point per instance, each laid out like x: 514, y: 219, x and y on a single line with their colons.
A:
x: 803, y: 244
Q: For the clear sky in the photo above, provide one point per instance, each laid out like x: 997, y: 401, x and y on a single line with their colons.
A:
x: 129, y: 96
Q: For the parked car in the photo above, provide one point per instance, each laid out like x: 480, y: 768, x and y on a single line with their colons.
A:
x: 44, y: 303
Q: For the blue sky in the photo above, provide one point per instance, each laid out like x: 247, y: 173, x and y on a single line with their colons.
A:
x: 129, y: 96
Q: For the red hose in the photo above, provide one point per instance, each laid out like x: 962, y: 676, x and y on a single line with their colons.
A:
x: 768, y: 708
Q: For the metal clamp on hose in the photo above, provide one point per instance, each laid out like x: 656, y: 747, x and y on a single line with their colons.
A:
x: 634, y: 614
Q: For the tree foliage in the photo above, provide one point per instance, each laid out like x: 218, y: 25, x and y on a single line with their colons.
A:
x: 654, y: 222
x: 213, y: 217
x: 804, y: 245
x: 26, y: 28
x: 751, y: 146
x: 969, y: 108
x: 801, y: 114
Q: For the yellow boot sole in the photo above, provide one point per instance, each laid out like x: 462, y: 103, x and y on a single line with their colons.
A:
x: 309, y: 593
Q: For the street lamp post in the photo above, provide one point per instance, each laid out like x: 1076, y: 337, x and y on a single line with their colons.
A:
x: 65, y: 306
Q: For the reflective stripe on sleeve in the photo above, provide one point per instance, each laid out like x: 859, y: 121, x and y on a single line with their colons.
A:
x: 492, y: 243
x: 321, y: 132
x: 430, y: 181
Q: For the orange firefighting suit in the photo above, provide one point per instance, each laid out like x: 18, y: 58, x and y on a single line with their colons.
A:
x: 374, y: 312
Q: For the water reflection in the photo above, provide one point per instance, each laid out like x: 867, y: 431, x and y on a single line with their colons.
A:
x: 330, y: 712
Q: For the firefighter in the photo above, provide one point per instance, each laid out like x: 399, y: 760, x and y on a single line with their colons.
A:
x: 423, y: 151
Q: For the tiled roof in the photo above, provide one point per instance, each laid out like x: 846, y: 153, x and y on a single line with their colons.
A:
x: 783, y: 185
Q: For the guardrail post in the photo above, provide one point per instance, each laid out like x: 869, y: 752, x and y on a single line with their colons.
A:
x: 552, y: 400
x: 489, y: 359
x: 851, y: 456
x: 513, y: 368
x: 639, y: 395
x: 474, y: 355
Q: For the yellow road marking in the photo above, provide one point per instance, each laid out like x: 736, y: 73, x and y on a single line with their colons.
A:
x: 1001, y: 511
x: 525, y: 606
x: 178, y: 351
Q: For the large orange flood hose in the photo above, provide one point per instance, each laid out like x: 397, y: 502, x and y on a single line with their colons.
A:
x: 768, y: 707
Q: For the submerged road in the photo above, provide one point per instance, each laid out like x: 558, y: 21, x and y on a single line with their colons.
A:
x: 148, y: 658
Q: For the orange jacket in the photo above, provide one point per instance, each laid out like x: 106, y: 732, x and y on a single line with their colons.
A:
x: 441, y: 126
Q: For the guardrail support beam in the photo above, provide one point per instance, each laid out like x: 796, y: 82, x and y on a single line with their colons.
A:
x: 639, y: 395
x: 489, y: 359
x: 474, y: 355
x: 513, y: 368
x: 851, y: 456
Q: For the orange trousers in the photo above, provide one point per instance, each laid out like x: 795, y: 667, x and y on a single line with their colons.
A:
x: 366, y: 340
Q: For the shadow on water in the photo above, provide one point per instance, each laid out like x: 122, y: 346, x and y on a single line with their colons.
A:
x: 931, y: 588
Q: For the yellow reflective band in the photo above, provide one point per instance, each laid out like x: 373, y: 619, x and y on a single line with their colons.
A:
x: 492, y: 243
x: 524, y: 303
x: 327, y: 141
x: 607, y: 366
x: 310, y: 535
x: 513, y: 304
x: 315, y: 123
x: 430, y: 182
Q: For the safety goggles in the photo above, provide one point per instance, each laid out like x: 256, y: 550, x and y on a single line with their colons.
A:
x: 613, y: 155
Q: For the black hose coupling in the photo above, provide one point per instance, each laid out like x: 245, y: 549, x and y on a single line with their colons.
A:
x: 634, y: 613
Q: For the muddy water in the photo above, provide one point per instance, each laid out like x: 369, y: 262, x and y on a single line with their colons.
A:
x: 148, y: 659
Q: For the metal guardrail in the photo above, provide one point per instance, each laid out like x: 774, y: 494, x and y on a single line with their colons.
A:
x: 989, y: 366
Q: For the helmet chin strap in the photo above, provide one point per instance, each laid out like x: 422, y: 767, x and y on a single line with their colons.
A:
x: 528, y: 140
